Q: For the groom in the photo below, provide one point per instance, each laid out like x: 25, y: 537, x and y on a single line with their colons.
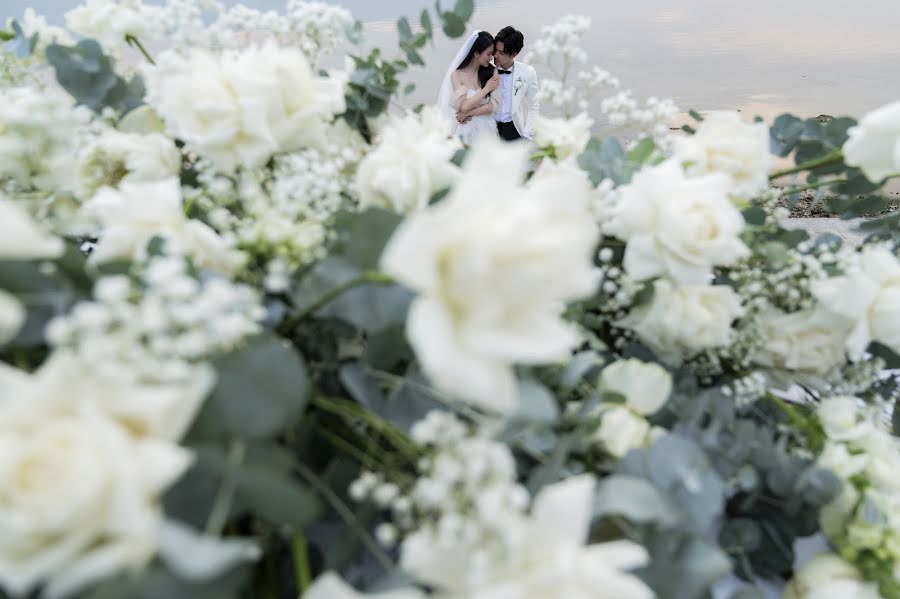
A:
x: 519, y: 106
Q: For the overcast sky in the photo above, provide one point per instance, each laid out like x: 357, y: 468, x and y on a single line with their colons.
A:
x: 759, y: 56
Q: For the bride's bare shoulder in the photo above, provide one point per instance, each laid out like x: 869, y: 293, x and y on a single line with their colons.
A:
x: 457, y: 77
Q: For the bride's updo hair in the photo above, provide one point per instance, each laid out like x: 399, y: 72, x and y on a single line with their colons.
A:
x: 484, y: 41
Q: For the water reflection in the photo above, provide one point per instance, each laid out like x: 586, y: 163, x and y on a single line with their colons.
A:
x: 762, y: 57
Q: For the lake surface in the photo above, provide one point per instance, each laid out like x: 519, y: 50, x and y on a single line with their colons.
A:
x: 762, y: 57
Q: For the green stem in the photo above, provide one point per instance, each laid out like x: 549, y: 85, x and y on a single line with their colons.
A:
x: 218, y: 515
x: 346, y: 514
x: 813, y: 186
x: 350, y: 410
x: 834, y: 157
x: 368, y: 276
x: 300, y: 551
x: 136, y: 43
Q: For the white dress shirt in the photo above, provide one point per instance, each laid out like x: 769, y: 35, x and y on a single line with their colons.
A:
x: 504, y: 115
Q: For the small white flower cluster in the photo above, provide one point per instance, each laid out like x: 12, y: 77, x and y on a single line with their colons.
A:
x: 280, y: 217
x: 463, y: 514
x: 828, y: 575
x: 747, y: 389
x: 787, y: 287
x: 40, y: 130
x: 653, y: 118
x: 562, y: 40
x: 318, y: 28
x: 158, y: 328
x: 110, y: 21
x: 864, y: 521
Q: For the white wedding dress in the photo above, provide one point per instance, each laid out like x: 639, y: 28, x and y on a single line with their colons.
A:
x: 479, y: 126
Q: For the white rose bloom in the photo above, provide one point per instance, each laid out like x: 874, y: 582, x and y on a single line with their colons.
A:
x: 874, y: 144
x: 808, y: 340
x: 622, y: 430
x: 838, y: 459
x: 12, y: 317
x: 21, y: 238
x: 682, y: 321
x: 492, y: 272
x: 409, y: 165
x: 137, y: 212
x: 240, y: 108
x: 677, y: 226
x: 117, y: 157
x: 724, y: 143
x: 567, y: 137
x: 828, y: 576
x: 330, y: 586
x: 80, y: 495
x: 868, y: 295
x: 109, y: 21
x: 645, y: 386
x: 553, y: 560
x: 840, y: 418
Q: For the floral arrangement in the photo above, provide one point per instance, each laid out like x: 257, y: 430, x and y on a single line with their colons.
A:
x: 263, y: 332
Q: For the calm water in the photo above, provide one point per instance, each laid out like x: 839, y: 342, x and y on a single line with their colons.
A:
x: 761, y: 56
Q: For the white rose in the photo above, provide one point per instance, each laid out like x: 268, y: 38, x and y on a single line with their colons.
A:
x: 838, y: 459
x: 621, y: 430
x: 567, y: 137
x: 117, y: 157
x: 109, y: 21
x: 677, y: 226
x: 240, y: 108
x: 840, y: 417
x: 492, y: 273
x: 553, y: 559
x: 81, y: 496
x: 724, y: 143
x: 137, y: 212
x: 12, y: 317
x: 868, y: 295
x: 828, y: 576
x: 645, y: 386
x: 330, y: 586
x: 682, y: 321
x: 808, y: 340
x: 409, y: 165
x: 164, y: 411
x: 21, y: 238
x: 874, y: 144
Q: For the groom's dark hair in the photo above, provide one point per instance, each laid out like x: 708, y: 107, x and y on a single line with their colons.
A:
x: 512, y: 38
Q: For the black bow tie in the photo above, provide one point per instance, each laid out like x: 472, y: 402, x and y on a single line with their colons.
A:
x: 502, y: 72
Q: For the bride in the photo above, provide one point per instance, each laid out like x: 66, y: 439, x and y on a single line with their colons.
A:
x: 467, y: 100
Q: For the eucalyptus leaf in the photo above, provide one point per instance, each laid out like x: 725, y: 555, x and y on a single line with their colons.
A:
x: 277, y: 497
x: 261, y: 391
x: 634, y: 498
x: 536, y: 402
x: 454, y: 26
x: 18, y: 43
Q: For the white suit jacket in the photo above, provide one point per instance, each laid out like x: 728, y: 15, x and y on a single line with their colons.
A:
x: 525, y: 104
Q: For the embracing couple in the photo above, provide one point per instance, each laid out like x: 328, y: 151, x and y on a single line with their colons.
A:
x: 479, y: 97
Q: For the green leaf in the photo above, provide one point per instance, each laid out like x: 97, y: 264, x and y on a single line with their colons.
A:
x: 536, y: 402
x: 605, y: 158
x: 695, y: 115
x: 87, y: 74
x: 354, y: 32
x: 425, y: 21
x: 277, y: 497
x: 464, y: 9
x: 5, y: 36
x: 404, y: 30
x: 755, y: 216
x: 410, y: 402
x: 835, y: 133
x: 362, y: 236
x: 453, y: 25
x: 157, y: 581
x: 634, y: 498
x: 20, y: 44
x: 371, y: 308
x: 261, y: 391
x: 410, y: 88
x: 695, y: 564
x: 414, y: 57
x: 785, y: 134
x: 642, y: 151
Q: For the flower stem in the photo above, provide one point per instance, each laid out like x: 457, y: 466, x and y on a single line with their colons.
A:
x: 368, y: 276
x: 346, y: 515
x: 136, y: 43
x: 221, y: 508
x: 834, y: 157
x: 300, y: 552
